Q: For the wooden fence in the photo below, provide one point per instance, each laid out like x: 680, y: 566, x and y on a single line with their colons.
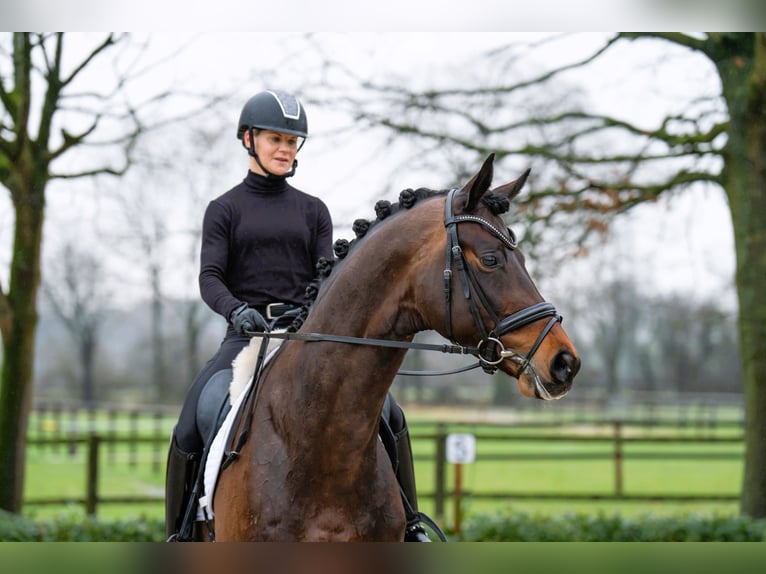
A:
x: 94, y: 444
x: 614, y: 434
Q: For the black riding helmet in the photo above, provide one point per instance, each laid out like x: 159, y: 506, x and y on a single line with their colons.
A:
x: 276, y: 111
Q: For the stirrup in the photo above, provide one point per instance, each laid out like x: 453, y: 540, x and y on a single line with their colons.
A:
x: 176, y: 537
x: 415, y: 531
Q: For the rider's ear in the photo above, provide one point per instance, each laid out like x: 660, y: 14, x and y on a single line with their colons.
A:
x: 477, y: 185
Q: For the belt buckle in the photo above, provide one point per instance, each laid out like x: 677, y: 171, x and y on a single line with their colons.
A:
x: 273, y: 308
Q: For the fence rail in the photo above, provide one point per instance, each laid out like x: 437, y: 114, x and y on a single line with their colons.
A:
x: 615, y: 434
x: 94, y: 443
x: 618, y: 434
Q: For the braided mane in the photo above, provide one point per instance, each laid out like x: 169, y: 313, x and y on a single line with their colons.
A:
x: 495, y: 202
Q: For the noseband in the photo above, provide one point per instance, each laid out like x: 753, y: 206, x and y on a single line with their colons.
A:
x: 491, y: 350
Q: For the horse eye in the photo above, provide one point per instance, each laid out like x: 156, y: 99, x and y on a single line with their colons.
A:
x: 489, y: 261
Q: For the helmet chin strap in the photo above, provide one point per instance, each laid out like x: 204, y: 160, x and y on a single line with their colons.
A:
x: 251, y: 151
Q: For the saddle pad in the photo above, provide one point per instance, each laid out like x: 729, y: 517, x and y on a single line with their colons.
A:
x: 217, y: 448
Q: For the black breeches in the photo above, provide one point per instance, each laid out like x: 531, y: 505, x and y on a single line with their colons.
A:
x: 186, y: 430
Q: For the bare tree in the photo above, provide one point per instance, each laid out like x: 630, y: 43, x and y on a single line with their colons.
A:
x: 51, y: 107
x: 595, y: 165
x: 145, y: 241
x: 157, y: 232
x: 76, y: 292
x: 694, y: 341
x: 614, y: 322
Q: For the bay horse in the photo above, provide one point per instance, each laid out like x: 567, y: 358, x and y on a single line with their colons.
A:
x: 314, y: 468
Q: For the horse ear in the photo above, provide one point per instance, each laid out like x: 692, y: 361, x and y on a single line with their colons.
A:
x: 477, y: 185
x: 512, y: 189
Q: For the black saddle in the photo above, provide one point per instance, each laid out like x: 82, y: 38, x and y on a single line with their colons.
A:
x: 213, y: 405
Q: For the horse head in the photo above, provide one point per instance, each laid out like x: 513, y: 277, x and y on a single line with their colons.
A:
x: 491, y: 298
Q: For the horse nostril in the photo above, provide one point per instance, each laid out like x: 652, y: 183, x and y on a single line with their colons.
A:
x: 564, y: 367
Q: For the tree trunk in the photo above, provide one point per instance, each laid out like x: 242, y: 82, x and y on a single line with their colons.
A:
x: 18, y: 344
x: 28, y: 111
x: 744, y: 87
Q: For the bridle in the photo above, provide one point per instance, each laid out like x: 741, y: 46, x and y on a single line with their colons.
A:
x: 491, y: 351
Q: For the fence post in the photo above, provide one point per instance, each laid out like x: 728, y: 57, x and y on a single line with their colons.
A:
x: 618, y: 458
x: 91, y: 498
x: 41, y: 412
x: 156, y: 452
x: 112, y: 444
x: 458, y: 497
x: 440, y: 471
x: 58, y: 425
x: 132, y: 440
x: 74, y: 428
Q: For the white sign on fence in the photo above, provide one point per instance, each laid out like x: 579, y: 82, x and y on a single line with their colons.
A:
x: 461, y: 448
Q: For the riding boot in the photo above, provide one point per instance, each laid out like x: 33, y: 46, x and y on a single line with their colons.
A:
x: 179, y: 481
x: 405, y: 474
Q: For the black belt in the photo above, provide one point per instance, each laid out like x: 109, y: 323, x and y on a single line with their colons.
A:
x: 275, y: 310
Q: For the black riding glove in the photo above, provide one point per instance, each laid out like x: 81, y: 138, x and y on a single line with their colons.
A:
x: 245, y: 318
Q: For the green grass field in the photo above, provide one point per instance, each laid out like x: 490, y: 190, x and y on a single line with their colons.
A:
x: 658, y: 468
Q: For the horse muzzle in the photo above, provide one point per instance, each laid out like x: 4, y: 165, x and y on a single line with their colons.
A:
x: 548, y: 382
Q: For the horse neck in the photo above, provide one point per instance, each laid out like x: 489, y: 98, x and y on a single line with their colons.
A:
x: 370, y: 294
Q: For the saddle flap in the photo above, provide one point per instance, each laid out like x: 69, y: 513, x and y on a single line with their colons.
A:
x: 213, y: 404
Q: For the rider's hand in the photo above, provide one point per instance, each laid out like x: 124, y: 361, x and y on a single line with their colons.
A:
x: 245, y: 318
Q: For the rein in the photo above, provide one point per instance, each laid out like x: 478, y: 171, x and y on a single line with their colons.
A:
x: 320, y: 337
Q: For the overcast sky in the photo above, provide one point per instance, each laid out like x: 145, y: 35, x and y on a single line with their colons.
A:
x: 687, y: 241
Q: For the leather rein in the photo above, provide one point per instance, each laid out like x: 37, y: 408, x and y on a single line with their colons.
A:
x: 490, y: 351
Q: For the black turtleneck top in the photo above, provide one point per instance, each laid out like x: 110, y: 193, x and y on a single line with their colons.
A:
x: 261, y: 241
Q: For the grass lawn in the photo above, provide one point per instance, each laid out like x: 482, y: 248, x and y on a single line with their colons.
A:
x: 579, y: 467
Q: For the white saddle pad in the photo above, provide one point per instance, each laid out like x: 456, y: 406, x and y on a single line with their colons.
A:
x: 243, y: 368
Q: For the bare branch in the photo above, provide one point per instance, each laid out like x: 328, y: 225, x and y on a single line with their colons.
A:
x: 93, y: 172
x: 109, y: 41
x: 7, y: 99
x: 496, y: 89
x: 72, y: 140
x: 53, y: 88
x: 22, y: 63
x: 678, y: 38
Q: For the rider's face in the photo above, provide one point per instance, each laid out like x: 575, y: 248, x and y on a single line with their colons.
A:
x: 275, y: 150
